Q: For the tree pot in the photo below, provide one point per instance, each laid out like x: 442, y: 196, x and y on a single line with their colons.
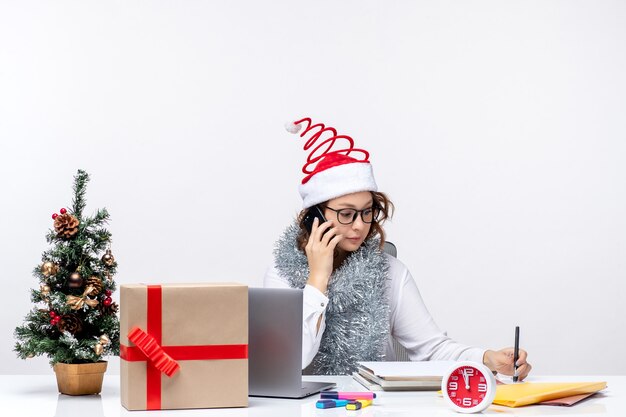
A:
x: 80, y: 378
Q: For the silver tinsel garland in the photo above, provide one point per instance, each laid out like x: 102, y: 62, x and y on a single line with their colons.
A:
x: 357, y: 315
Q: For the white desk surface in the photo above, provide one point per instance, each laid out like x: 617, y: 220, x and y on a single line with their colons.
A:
x: 37, y: 395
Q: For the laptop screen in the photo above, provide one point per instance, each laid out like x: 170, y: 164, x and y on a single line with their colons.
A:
x: 274, y: 340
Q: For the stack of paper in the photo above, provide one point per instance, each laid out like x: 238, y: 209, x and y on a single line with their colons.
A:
x: 402, y: 376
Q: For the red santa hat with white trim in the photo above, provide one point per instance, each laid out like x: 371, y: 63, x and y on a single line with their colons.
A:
x: 330, y: 170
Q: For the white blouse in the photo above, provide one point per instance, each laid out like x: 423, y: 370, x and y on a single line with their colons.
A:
x: 410, y: 322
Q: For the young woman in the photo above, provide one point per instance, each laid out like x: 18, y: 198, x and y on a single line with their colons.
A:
x: 356, y: 297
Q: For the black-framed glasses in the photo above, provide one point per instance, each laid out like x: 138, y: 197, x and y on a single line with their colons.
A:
x: 348, y: 215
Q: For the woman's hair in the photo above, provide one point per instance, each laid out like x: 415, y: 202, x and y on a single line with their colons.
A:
x: 380, y: 202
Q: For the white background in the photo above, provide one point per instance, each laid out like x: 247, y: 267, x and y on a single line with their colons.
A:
x: 496, y: 127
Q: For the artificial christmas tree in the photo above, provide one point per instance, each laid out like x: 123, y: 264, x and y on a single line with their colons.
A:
x: 74, y: 319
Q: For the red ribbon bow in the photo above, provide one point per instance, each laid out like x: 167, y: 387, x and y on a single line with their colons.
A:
x: 153, y: 351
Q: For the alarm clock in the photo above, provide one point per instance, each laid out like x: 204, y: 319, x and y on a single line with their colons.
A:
x: 468, y: 387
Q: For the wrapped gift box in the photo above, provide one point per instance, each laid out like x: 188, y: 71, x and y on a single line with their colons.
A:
x: 197, y: 333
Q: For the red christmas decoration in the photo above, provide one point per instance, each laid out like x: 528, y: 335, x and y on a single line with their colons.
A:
x: 63, y: 211
x: 54, y: 216
x: 334, y: 167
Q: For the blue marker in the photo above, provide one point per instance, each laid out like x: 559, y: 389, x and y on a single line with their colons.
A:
x: 329, y: 403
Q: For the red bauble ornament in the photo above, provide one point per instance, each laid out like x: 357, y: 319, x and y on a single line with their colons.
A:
x: 63, y: 211
x: 52, y: 314
x: 108, y: 293
x: 54, y: 216
x: 53, y: 322
x: 107, y: 301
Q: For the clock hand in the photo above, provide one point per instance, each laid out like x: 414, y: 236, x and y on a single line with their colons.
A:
x: 466, y: 379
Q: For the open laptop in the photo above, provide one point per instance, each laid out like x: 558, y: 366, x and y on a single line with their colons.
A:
x: 275, y: 345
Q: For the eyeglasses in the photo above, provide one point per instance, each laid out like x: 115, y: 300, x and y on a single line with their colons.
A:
x: 348, y: 215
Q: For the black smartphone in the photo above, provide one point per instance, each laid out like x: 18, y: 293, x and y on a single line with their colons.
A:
x: 313, y: 212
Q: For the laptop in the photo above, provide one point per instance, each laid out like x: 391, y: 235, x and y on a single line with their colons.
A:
x: 275, y: 345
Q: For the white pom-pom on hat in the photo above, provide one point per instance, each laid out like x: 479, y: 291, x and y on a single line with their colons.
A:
x: 292, y: 127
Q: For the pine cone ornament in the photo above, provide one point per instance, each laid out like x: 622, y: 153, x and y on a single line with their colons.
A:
x: 96, y: 283
x: 111, y: 309
x: 70, y: 323
x: 66, y: 225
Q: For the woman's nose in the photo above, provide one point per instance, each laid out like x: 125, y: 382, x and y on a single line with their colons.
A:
x: 358, y: 222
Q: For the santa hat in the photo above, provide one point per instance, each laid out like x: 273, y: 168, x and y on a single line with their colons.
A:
x: 331, y: 173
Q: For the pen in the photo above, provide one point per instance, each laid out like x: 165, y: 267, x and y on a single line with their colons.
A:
x: 347, y: 395
x: 328, y: 403
x: 358, y: 404
x: 516, y: 354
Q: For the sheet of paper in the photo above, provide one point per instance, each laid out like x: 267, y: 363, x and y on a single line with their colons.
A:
x: 567, y: 401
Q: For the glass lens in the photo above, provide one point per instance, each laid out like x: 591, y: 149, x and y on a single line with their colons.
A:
x: 367, y: 215
x: 346, y: 216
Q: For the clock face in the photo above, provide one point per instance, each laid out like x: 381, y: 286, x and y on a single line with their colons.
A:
x: 469, y: 387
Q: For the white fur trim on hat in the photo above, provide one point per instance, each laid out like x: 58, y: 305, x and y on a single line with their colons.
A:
x: 337, y: 181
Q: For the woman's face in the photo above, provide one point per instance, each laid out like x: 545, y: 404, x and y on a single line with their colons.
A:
x: 353, y: 234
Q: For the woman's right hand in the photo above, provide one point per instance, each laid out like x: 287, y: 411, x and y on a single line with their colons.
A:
x: 319, y: 252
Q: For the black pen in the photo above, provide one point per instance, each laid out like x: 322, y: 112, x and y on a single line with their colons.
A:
x: 516, y: 354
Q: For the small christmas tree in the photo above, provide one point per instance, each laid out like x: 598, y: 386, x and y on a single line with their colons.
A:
x: 74, y: 319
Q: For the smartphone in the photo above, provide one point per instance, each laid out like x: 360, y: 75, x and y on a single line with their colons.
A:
x: 313, y: 212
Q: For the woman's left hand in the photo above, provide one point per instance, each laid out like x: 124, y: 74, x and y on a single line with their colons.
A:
x: 502, y: 362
